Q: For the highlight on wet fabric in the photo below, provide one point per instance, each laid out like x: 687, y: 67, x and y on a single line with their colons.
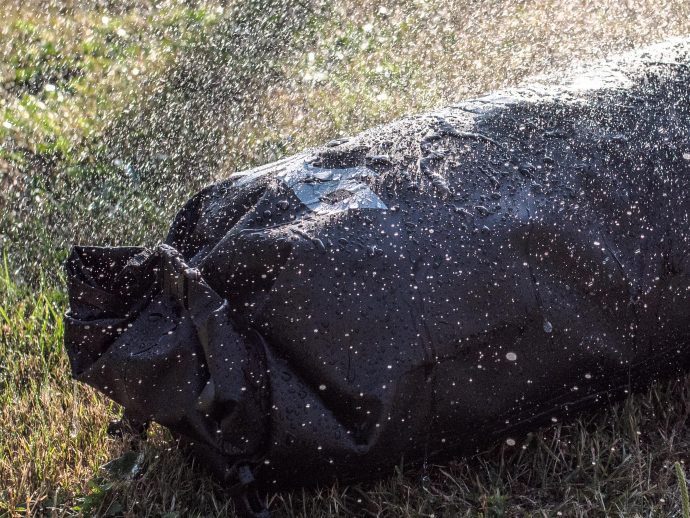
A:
x: 328, y: 191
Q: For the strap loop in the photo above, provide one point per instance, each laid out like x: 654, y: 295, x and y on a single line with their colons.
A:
x: 246, y: 495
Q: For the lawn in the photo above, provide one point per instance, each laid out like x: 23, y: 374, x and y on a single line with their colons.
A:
x: 112, y: 113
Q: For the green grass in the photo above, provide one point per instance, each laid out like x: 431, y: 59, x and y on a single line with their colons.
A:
x: 111, y: 117
x: 683, y: 487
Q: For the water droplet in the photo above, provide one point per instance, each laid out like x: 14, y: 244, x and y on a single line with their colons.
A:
x: 548, y: 327
x: 482, y: 210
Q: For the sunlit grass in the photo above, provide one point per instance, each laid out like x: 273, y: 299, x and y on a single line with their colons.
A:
x: 66, y: 77
x: 375, y: 63
x: 85, y: 95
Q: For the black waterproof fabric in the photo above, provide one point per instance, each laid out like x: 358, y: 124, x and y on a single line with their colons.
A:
x: 424, y: 287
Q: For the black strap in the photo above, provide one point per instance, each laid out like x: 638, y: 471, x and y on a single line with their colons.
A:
x: 129, y: 425
x: 246, y: 495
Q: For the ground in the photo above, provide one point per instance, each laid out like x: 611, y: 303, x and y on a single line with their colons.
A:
x: 113, y: 113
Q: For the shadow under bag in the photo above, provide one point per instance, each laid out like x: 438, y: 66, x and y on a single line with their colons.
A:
x: 426, y: 287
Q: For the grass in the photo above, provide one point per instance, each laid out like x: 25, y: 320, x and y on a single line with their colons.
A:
x: 113, y: 113
x: 683, y: 486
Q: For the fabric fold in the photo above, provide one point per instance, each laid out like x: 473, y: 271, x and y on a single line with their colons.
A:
x: 145, y: 329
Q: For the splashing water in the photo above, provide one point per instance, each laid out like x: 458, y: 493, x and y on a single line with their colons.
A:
x: 114, y: 113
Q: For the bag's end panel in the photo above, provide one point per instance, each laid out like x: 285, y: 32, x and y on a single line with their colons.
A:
x: 145, y: 329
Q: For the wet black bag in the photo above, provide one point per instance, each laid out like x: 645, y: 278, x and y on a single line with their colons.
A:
x: 421, y: 288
